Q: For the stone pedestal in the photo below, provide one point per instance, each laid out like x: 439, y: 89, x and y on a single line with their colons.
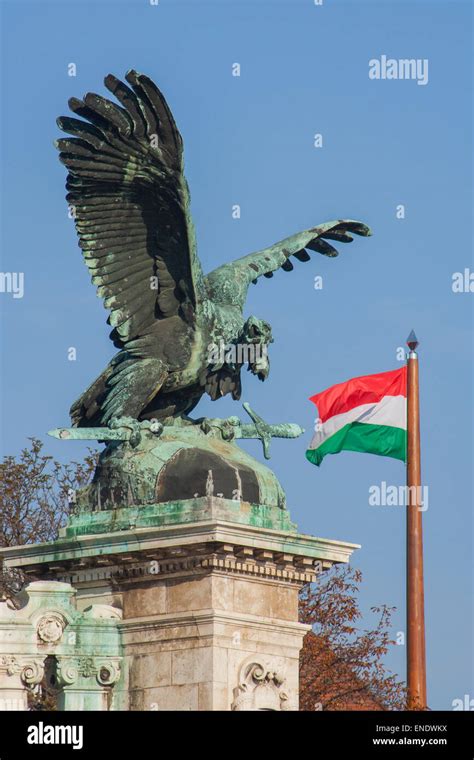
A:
x: 210, y: 607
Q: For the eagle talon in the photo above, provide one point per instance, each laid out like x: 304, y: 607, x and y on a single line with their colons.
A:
x: 137, y: 427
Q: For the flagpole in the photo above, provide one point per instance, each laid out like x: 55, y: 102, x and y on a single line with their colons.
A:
x: 416, y: 659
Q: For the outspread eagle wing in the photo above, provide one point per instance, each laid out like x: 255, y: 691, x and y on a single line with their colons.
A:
x: 229, y: 283
x: 130, y: 201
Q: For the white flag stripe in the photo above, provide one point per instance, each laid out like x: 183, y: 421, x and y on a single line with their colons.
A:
x: 391, y: 411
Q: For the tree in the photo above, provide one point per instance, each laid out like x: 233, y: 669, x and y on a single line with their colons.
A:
x: 36, y: 492
x: 341, y: 666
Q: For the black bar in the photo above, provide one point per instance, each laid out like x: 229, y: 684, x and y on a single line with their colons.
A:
x: 427, y: 734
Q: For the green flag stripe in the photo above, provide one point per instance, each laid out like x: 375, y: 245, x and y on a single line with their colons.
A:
x: 383, y: 440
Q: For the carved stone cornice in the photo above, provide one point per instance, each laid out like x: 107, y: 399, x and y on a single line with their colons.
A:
x: 129, y: 568
x: 182, y: 548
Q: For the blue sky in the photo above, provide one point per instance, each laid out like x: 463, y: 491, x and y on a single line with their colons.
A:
x: 249, y: 141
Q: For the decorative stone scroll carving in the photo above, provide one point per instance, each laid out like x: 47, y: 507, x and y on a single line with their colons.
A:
x: 31, y: 669
x: 33, y: 672
x: 70, y: 670
x: 260, y: 688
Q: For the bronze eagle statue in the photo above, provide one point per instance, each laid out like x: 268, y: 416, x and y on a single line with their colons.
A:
x: 130, y: 200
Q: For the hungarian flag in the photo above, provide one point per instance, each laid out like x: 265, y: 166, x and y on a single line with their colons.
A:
x: 367, y: 414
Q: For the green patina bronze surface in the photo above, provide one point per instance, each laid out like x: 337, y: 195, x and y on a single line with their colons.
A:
x: 130, y: 201
x: 178, y: 513
x: 230, y: 429
x: 154, y: 475
x: 180, y: 334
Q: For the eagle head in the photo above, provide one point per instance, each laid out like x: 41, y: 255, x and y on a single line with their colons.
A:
x: 256, y: 336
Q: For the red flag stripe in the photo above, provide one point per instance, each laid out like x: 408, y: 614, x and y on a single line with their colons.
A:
x: 360, y: 390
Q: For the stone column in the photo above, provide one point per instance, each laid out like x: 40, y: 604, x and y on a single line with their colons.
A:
x: 85, y: 682
x: 17, y: 674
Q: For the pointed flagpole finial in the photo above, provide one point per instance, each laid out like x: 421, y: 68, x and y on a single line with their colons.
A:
x: 412, y: 341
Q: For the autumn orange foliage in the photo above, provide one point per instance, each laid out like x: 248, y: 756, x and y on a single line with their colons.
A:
x: 342, y: 666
